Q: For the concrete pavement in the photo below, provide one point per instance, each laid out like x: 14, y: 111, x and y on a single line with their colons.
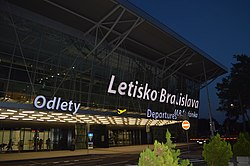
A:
x: 63, y: 153
x: 15, y: 156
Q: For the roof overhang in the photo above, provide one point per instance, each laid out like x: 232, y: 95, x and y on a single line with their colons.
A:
x: 142, y: 34
x: 26, y: 112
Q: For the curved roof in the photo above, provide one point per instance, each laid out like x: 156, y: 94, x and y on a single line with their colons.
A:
x: 122, y: 22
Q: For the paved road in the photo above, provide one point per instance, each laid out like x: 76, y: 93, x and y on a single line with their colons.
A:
x: 86, y: 160
x: 193, y: 153
x: 121, y: 159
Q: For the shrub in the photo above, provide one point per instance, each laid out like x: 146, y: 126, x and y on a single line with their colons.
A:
x: 217, y: 152
x: 242, y: 146
x: 162, y: 155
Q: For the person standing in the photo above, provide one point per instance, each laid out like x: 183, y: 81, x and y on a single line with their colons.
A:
x: 35, y: 143
x: 40, y: 143
x: 73, y: 144
x: 48, y: 143
x: 20, y: 145
x: 9, y: 146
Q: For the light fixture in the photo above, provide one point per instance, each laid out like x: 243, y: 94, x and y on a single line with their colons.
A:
x: 11, y: 110
x: 88, y: 120
x: 28, y: 112
x: 84, y: 118
x: 45, y: 118
x: 7, y: 113
x: 68, y: 119
x: 72, y: 121
x: 23, y: 114
x: 27, y: 119
x: 45, y: 113
x: 62, y: 117
x: 18, y: 116
x: 80, y: 116
x: 101, y: 117
x: 13, y: 118
x: 37, y: 115
x: 56, y: 114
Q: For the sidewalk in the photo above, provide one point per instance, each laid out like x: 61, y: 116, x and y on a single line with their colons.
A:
x: 51, y: 154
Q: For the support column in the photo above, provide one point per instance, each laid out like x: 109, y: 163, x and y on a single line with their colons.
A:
x: 208, y: 100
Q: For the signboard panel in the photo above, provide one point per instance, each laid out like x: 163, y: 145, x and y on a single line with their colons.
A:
x: 185, y: 125
x: 90, y: 140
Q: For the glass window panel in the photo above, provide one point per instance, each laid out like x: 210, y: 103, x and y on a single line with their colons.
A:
x: 28, y: 141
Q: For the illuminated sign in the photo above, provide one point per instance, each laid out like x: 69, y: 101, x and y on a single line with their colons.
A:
x: 90, y: 136
x: 160, y: 115
x: 121, y: 111
x: 185, y: 125
x: 41, y: 102
x: 169, y: 116
x: 140, y: 91
x: 90, y: 140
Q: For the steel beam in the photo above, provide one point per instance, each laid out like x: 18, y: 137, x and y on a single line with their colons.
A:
x: 180, y: 66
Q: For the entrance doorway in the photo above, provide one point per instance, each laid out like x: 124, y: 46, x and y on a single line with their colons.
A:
x: 119, y: 137
x: 37, y: 138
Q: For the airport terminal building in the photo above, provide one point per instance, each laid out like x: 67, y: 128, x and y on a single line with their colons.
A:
x: 107, y: 68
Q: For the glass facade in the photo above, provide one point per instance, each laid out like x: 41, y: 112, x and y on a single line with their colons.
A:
x: 39, y: 56
x: 119, y: 137
x: 36, y: 138
x: 37, y: 59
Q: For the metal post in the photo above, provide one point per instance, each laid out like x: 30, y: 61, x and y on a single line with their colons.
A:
x: 208, y: 99
x: 187, y: 140
x: 88, y: 130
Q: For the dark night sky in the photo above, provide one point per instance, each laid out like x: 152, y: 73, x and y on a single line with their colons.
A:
x: 220, y: 28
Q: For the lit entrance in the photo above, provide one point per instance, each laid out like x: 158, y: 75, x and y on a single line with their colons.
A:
x: 37, y: 138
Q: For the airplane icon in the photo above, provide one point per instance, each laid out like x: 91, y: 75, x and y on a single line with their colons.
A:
x: 121, y: 111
